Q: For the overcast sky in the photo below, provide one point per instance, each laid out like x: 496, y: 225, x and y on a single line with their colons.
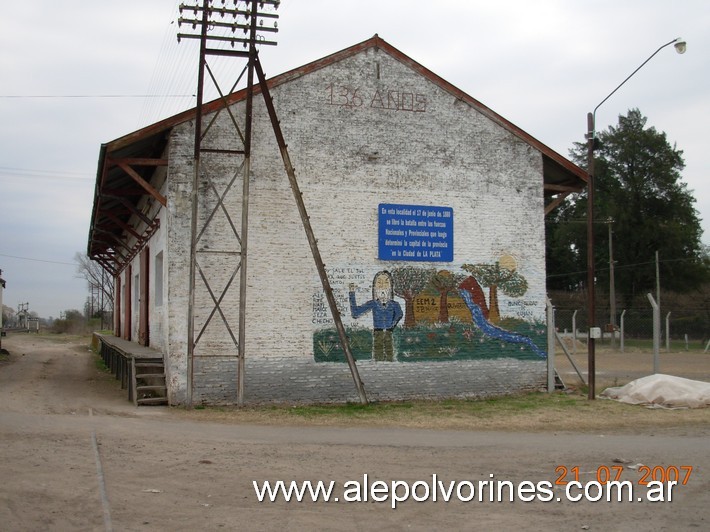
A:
x: 76, y: 74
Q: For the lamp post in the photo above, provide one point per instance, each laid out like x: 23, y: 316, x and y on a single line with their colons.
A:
x: 594, y: 332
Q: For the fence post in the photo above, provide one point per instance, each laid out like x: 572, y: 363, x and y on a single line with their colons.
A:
x: 574, y: 332
x: 550, y: 347
x: 668, y: 332
x: 656, y: 332
x: 622, y: 330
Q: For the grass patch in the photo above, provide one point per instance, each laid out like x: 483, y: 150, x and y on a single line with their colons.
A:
x: 346, y: 411
x: 61, y: 338
x: 101, y: 365
x: 533, y: 412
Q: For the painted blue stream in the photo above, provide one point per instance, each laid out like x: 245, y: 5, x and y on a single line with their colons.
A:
x: 491, y: 330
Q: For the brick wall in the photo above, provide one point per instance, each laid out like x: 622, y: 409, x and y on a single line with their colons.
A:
x: 301, y: 380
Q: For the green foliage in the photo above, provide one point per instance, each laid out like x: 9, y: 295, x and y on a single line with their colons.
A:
x: 73, y: 322
x: 639, y: 191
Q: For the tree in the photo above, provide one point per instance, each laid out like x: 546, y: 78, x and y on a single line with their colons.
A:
x: 494, y: 276
x: 73, y: 315
x: 100, y: 283
x: 639, y: 192
x: 70, y: 321
x: 565, y: 238
x: 8, y: 314
x: 409, y: 281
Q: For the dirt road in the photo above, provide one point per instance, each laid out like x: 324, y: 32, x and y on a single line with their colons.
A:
x: 75, y: 455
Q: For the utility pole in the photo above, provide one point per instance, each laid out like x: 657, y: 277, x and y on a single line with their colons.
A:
x: 612, y: 286
x: 658, y: 283
x: 2, y: 288
x: 255, y: 19
x: 101, y: 295
x: 239, y: 23
x: 591, y: 293
x: 23, y: 311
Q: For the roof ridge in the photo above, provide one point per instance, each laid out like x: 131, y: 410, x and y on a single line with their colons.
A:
x: 373, y: 42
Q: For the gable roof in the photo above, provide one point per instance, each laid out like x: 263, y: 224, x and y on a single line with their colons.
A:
x: 126, y: 164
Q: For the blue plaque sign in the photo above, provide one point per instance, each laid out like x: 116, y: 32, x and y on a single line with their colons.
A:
x: 416, y: 233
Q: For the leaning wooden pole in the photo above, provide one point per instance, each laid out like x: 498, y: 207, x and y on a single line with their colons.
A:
x: 309, y: 231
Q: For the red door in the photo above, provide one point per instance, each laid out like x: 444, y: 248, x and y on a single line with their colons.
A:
x: 127, y: 304
x: 117, y: 309
x: 143, y: 330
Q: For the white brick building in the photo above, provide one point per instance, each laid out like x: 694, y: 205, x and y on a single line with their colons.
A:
x: 400, y: 172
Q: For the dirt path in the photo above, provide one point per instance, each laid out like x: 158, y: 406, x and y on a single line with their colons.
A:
x: 616, y: 368
x: 75, y: 455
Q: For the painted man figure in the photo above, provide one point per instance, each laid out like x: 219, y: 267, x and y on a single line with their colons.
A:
x: 386, y: 313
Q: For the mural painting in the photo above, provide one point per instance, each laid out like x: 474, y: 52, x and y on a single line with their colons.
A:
x: 386, y: 314
x: 447, y: 314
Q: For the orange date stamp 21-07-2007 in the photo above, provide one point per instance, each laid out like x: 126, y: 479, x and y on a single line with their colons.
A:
x: 614, y: 473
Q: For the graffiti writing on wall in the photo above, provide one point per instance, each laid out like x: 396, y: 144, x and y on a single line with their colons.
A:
x: 416, y: 313
x: 386, y: 100
x: 339, y: 279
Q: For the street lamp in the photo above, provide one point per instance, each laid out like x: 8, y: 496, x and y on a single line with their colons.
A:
x: 594, y: 331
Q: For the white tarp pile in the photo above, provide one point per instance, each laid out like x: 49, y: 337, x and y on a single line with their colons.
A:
x: 662, y: 391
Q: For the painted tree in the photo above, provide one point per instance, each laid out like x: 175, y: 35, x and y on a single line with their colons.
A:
x: 495, y: 277
x: 408, y: 282
x: 445, y: 282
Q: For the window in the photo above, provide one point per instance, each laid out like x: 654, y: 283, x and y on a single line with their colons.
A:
x: 136, y: 291
x: 158, y: 279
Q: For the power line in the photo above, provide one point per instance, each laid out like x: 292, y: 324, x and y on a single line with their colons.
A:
x: 97, y: 95
x: 10, y: 171
x: 173, y: 72
x: 602, y: 265
x: 39, y: 260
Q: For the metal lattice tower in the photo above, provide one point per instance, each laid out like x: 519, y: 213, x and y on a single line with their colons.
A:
x: 244, y: 24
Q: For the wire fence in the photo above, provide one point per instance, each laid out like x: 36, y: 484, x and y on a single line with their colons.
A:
x: 679, y: 330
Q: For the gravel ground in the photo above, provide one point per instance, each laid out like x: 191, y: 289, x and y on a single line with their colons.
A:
x: 76, y: 455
